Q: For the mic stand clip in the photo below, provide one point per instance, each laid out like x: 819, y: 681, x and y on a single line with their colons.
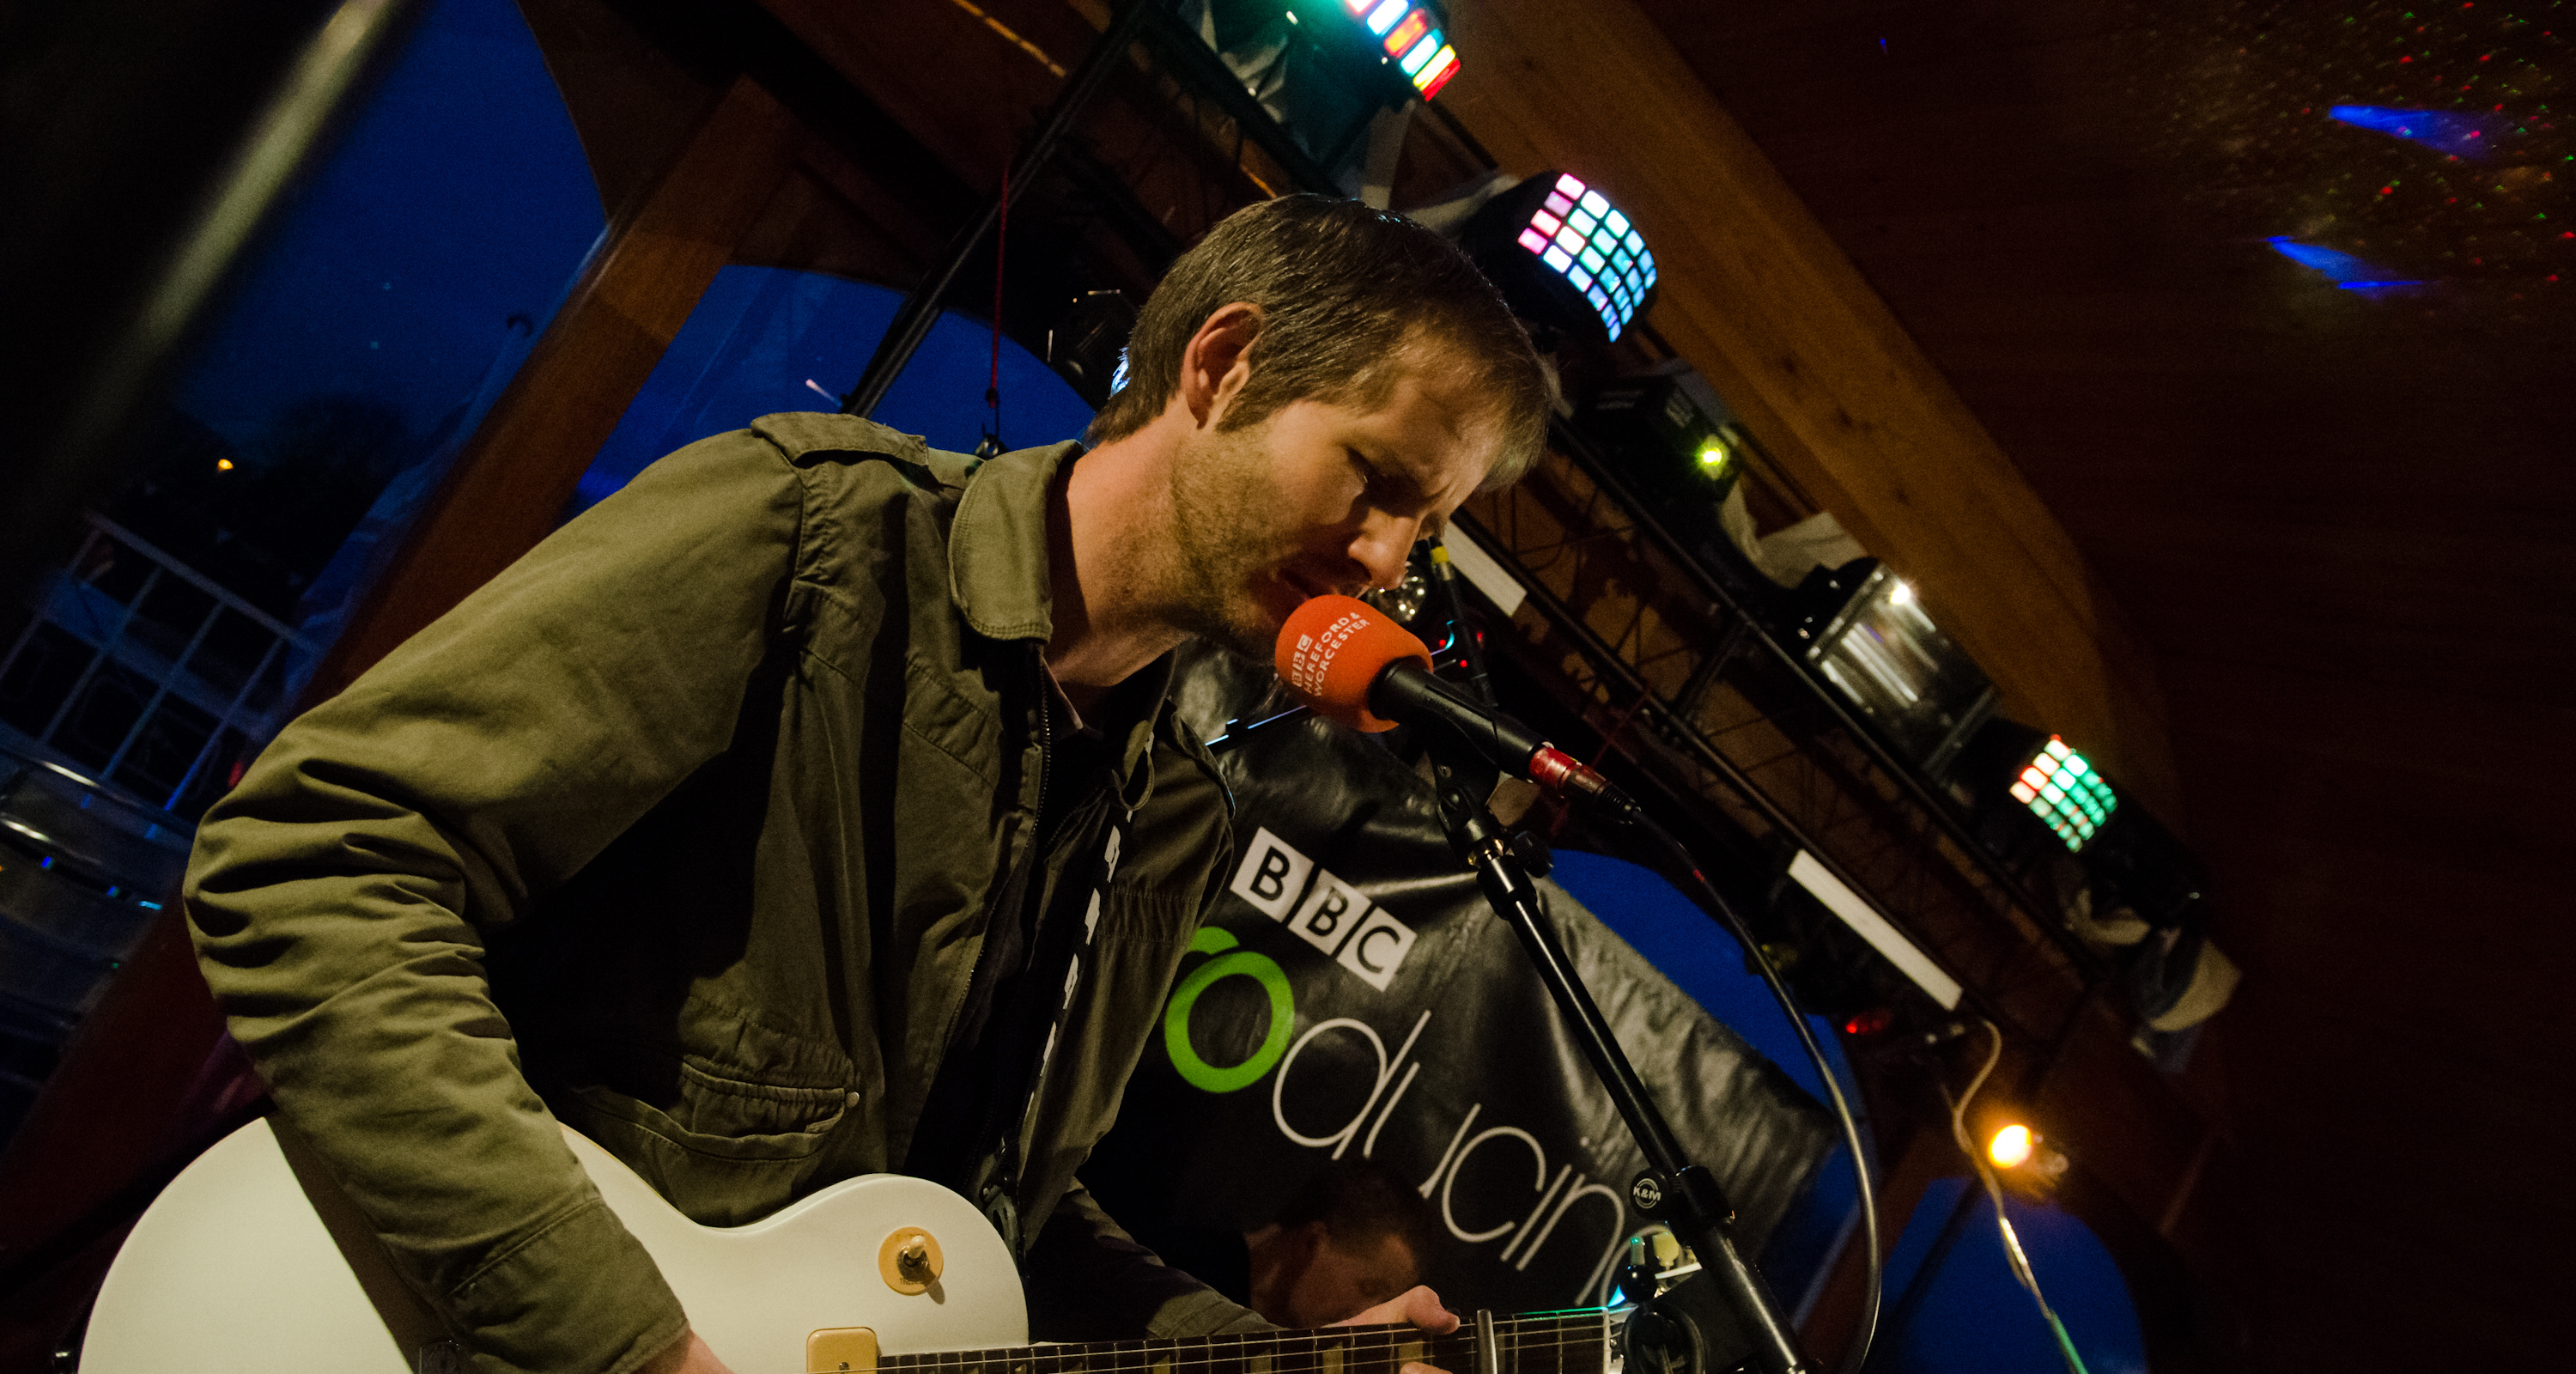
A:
x: 1726, y: 1295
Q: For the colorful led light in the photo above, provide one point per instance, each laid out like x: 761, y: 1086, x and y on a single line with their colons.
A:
x: 1384, y: 16
x: 2061, y: 788
x: 1432, y: 78
x: 1415, y: 60
x: 1579, y: 233
x: 1413, y: 27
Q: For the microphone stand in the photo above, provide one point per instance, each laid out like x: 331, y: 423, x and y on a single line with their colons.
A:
x: 1673, y: 1190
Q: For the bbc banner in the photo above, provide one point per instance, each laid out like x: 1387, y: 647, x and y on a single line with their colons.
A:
x: 1354, y: 998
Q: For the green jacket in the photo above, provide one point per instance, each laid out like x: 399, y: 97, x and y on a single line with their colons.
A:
x: 709, y: 793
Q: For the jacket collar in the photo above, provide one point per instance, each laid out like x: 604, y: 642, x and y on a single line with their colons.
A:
x: 997, y: 575
x: 997, y: 545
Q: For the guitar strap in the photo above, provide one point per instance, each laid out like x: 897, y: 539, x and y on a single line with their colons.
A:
x: 1067, y: 947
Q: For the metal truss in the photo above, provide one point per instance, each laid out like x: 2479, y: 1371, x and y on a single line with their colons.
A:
x: 1628, y: 632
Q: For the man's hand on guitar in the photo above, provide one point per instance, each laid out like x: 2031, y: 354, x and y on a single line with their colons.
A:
x: 1417, y: 1305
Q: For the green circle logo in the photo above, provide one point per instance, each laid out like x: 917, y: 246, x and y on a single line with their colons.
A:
x: 1198, y: 1072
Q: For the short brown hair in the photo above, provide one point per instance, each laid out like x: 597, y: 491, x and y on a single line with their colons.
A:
x: 1343, y: 288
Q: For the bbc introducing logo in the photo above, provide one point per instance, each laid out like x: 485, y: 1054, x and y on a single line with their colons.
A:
x: 1323, y: 910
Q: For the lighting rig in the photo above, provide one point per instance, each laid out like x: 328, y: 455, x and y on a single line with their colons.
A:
x: 1324, y: 70
x: 1563, y: 255
x: 2123, y: 881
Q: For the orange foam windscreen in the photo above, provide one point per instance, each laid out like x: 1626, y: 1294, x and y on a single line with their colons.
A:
x: 1333, y: 647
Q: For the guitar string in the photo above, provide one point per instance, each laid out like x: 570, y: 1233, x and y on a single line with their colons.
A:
x: 1182, y: 1353
x: 1295, y: 1353
x: 1363, y: 1346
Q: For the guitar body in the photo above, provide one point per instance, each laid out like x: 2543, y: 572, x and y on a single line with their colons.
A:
x: 251, y: 1262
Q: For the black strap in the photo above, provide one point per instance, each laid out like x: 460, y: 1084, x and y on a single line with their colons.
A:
x: 1065, y: 949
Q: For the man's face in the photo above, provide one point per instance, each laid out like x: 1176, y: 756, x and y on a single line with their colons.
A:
x: 1319, y: 498
x: 1313, y: 1278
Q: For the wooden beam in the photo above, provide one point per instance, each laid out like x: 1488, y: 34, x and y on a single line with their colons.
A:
x: 511, y: 483
x: 1758, y: 298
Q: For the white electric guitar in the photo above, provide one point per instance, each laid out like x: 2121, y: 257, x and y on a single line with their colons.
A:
x: 252, y: 1262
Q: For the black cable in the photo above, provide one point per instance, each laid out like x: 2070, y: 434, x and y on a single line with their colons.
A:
x: 1858, y: 1354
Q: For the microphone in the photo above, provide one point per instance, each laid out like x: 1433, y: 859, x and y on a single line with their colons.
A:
x: 1350, y: 664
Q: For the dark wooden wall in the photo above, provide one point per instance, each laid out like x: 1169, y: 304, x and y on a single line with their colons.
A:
x: 2342, y: 527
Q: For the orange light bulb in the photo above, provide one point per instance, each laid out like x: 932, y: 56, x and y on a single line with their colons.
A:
x: 2011, y: 1146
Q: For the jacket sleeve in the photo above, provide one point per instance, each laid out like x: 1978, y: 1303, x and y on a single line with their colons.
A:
x: 336, y: 895
x: 1090, y: 1280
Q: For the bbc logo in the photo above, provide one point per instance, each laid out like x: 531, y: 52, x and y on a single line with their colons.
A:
x: 1324, y: 911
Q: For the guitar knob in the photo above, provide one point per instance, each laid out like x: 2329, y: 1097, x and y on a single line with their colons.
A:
x: 910, y: 1260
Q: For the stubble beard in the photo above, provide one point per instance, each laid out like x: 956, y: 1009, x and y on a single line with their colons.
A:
x: 1219, y: 543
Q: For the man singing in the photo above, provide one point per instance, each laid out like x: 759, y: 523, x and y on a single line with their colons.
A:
x: 752, y: 823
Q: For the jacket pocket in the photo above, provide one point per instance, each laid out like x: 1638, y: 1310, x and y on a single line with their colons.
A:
x: 719, y: 1117
x: 732, y: 1117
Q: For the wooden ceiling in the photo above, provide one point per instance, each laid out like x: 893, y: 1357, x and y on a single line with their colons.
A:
x: 2340, y: 520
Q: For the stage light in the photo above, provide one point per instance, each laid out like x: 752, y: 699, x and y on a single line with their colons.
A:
x: 1867, y: 636
x: 1410, y: 37
x: 1665, y: 439
x: 2011, y: 1147
x: 2063, y: 789
x: 1561, y: 252
x: 1716, y: 458
x: 1869, y: 1022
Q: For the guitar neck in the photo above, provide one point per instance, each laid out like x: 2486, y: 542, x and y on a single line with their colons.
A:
x: 1542, y: 1343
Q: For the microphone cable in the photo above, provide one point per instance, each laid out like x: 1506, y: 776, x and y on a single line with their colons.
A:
x: 1858, y: 1354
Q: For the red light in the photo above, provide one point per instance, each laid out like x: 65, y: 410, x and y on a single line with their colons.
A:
x: 1870, y: 1022
x: 1412, y: 28
x: 1439, y: 75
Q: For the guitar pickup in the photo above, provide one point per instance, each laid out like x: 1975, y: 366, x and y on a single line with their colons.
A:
x: 841, y: 1350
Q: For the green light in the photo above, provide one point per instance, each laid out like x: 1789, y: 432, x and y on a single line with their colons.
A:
x: 2074, y: 800
x: 1713, y: 457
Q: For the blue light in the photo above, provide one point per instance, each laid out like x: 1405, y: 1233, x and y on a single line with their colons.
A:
x: 1384, y: 16
x: 2343, y: 269
x: 2450, y: 131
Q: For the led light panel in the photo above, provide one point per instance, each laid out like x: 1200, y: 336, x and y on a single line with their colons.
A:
x: 1401, y: 37
x: 2061, y: 788
x: 1406, y: 31
x: 1580, y: 234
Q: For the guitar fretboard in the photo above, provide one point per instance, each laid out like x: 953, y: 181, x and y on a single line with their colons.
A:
x: 1547, y: 1343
